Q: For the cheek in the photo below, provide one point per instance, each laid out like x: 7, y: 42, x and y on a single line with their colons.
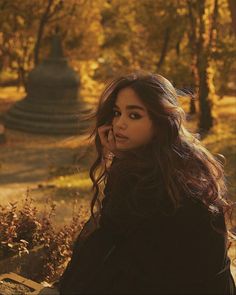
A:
x: 149, y: 135
x: 153, y: 131
x: 114, y: 120
x: 148, y: 127
x: 145, y: 131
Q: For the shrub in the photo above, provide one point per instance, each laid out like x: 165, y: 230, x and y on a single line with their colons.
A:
x: 25, y: 228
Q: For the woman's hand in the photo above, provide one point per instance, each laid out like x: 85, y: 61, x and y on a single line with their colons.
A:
x: 108, y: 141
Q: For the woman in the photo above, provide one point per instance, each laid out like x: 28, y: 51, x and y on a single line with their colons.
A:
x: 160, y: 228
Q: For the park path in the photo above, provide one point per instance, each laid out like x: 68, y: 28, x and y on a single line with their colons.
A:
x: 26, y: 161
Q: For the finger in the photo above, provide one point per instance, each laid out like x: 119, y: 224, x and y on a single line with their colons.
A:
x: 104, y: 127
x: 111, y: 141
x: 102, y: 131
x: 107, y: 138
x: 110, y: 136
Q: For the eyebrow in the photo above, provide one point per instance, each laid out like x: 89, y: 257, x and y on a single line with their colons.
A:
x: 131, y: 107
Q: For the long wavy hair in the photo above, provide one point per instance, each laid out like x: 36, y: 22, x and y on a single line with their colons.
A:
x: 184, y: 166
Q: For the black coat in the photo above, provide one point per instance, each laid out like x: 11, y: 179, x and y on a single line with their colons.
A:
x: 181, y: 253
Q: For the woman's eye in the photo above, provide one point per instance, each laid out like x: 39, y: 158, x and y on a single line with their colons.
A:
x: 115, y: 113
x: 135, y: 116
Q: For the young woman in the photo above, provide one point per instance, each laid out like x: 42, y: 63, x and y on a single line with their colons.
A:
x: 159, y: 224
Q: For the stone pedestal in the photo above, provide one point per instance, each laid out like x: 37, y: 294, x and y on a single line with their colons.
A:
x: 52, y: 104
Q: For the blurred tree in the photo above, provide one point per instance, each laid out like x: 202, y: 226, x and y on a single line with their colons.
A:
x: 225, y: 51
x: 118, y: 23
x: 190, y: 42
x: 50, y: 10
x: 27, y: 26
x: 187, y: 41
x: 203, y: 18
x: 232, y: 7
x: 17, y: 42
x: 213, y: 49
x: 144, y: 35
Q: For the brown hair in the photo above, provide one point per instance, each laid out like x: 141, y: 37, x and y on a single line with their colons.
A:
x: 177, y: 156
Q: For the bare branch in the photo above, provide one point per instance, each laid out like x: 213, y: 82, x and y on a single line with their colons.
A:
x: 164, y: 47
x: 57, y: 8
x: 193, y: 35
x: 58, y: 18
x: 70, y: 12
x: 42, y: 24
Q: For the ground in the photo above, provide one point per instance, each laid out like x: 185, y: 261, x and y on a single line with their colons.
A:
x: 37, y: 163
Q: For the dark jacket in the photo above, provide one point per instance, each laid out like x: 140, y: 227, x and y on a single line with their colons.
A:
x: 181, y: 253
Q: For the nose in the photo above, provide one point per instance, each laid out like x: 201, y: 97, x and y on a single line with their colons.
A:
x: 120, y: 123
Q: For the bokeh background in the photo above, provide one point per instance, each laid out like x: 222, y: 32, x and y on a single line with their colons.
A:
x: 191, y: 42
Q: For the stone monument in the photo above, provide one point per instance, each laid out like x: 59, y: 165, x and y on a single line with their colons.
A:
x: 52, y: 104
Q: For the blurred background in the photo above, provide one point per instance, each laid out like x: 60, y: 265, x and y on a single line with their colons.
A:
x: 190, y: 42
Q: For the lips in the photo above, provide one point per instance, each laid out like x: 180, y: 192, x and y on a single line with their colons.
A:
x: 121, y: 136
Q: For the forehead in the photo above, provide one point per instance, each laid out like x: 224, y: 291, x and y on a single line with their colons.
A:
x: 128, y: 96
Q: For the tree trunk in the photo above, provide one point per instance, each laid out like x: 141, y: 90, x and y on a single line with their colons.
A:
x: 42, y: 24
x: 204, y: 47
x: 192, y: 106
x: 164, y: 48
x: 205, y: 104
x: 22, y: 77
x: 232, y: 7
x: 38, y: 43
x: 195, y: 86
x: 192, y: 44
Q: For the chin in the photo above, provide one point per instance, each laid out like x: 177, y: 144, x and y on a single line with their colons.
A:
x: 122, y: 147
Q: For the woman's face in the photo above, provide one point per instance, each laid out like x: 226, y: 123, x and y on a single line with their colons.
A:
x: 131, y: 119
